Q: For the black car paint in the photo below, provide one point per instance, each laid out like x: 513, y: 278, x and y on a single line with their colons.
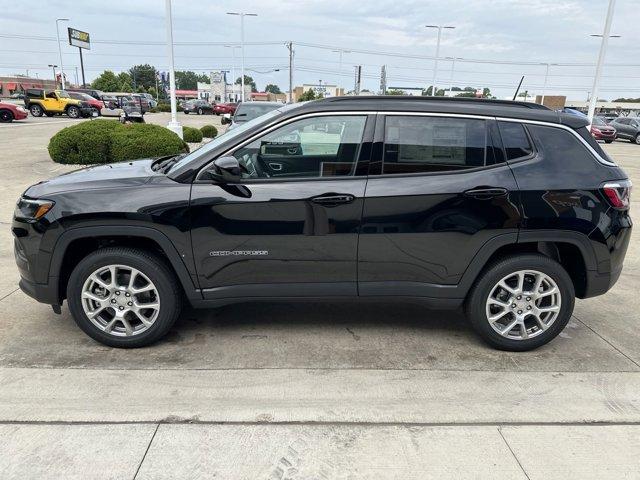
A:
x: 416, y: 235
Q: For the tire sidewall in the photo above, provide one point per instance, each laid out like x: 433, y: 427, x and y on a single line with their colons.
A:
x: 36, y: 110
x: 6, y: 116
x: 155, y: 270
x: 476, y: 306
x: 76, y: 111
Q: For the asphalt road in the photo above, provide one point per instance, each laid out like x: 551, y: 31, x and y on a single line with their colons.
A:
x: 311, y: 390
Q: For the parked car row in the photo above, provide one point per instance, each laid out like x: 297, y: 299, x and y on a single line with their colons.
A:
x: 202, y: 107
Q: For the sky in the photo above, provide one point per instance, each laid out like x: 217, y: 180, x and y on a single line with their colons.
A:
x: 495, y: 42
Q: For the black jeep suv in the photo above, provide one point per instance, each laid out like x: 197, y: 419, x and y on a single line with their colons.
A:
x: 508, y: 209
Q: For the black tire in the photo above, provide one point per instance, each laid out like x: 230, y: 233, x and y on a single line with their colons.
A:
x: 200, y: 111
x: 186, y: 113
x: 153, y: 267
x: 73, y: 112
x: 6, y: 116
x: 95, y: 112
x: 475, y: 307
x: 637, y: 139
x: 608, y: 141
x: 36, y: 110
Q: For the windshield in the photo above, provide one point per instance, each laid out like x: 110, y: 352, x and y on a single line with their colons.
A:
x: 63, y: 94
x: 233, y: 134
x: 248, y: 112
x: 599, y: 121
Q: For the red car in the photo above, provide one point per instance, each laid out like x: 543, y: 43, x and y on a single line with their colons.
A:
x: 222, y: 108
x: 96, y: 105
x: 601, y: 131
x: 10, y: 112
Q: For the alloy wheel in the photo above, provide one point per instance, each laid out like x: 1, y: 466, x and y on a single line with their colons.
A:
x: 120, y: 300
x: 523, y: 304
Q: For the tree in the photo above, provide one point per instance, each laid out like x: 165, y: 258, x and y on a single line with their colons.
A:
x: 125, y: 79
x: 308, y: 95
x: 152, y: 91
x: 141, y: 89
x: 125, y: 87
x: 427, y: 92
x: 188, y: 80
x: 107, y: 81
x: 627, y: 100
x: 393, y: 91
x: 271, y: 88
x: 248, y: 81
x: 144, y: 75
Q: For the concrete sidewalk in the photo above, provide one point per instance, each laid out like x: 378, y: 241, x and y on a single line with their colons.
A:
x: 251, y: 451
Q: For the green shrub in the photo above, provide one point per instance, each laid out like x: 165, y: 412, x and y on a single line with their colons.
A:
x: 166, y: 107
x: 142, y: 140
x: 84, y: 143
x: 106, y: 141
x: 191, y: 135
x: 209, y: 131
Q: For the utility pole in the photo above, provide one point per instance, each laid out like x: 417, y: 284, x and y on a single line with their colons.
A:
x: 291, y: 53
x: 60, y: 51
x: 453, y: 67
x: 53, y: 68
x: 173, y: 125
x: 356, y: 88
x: 383, y: 80
x: 242, y: 15
x: 233, y: 70
x: 603, y: 52
x: 434, y: 90
x: 76, y: 75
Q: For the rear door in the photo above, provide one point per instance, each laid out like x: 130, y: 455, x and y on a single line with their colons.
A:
x: 290, y: 228
x: 438, y: 191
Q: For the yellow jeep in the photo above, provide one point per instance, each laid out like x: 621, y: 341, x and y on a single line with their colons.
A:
x: 54, y: 102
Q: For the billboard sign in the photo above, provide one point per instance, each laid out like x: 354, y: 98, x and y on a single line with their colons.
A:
x: 79, y: 39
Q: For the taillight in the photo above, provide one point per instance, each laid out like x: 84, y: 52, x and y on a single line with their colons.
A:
x: 618, y: 194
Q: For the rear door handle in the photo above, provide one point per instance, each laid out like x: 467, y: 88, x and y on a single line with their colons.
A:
x: 486, y: 193
x: 332, y: 199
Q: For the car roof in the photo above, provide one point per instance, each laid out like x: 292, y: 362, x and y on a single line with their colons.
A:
x: 453, y: 105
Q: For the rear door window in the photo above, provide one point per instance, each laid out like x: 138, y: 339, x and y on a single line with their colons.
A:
x: 418, y: 144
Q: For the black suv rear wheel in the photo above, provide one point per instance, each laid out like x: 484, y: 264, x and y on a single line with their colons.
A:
x: 124, y: 297
x: 521, y: 302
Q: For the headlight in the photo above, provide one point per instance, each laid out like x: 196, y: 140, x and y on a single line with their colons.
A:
x: 21, y: 109
x: 29, y: 209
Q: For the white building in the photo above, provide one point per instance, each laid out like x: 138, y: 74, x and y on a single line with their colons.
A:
x: 219, y: 90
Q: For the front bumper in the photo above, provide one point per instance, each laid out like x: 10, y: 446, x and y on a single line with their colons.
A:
x: 86, y: 111
x: 43, y: 293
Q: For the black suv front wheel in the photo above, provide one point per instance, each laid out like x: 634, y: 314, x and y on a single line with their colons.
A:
x: 73, y: 112
x: 521, y: 302
x: 124, y: 297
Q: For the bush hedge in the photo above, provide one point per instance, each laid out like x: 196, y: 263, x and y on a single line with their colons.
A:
x: 142, y: 140
x: 209, y: 131
x: 165, y: 107
x: 106, y: 141
x: 191, y: 135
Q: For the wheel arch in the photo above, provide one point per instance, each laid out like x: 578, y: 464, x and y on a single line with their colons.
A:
x: 75, y: 244
x: 573, y: 250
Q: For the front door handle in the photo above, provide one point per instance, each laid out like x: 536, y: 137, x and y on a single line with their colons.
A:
x: 486, y: 193
x: 332, y: 199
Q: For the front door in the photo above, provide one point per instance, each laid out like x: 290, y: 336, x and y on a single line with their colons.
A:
x: 438, y: 191
x: 290, y: 228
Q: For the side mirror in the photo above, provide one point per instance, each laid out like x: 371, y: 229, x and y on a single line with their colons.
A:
x: 226, y: 119
x: 226, y: 170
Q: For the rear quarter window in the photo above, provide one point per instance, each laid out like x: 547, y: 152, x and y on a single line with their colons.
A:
x: 559, y: 145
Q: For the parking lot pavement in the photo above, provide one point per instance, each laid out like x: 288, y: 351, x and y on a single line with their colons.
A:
x: 320, y: 387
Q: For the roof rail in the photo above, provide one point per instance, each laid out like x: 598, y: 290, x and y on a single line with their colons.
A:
x: 422, y: 98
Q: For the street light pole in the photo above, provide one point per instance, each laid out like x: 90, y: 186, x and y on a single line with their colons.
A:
x: 340, y: 64
x: 60, y: 50
x: 603, y: 52
x: 242, y: 15
x: 435, y: 65
x: 233, y: 68
x: 173, y: 125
